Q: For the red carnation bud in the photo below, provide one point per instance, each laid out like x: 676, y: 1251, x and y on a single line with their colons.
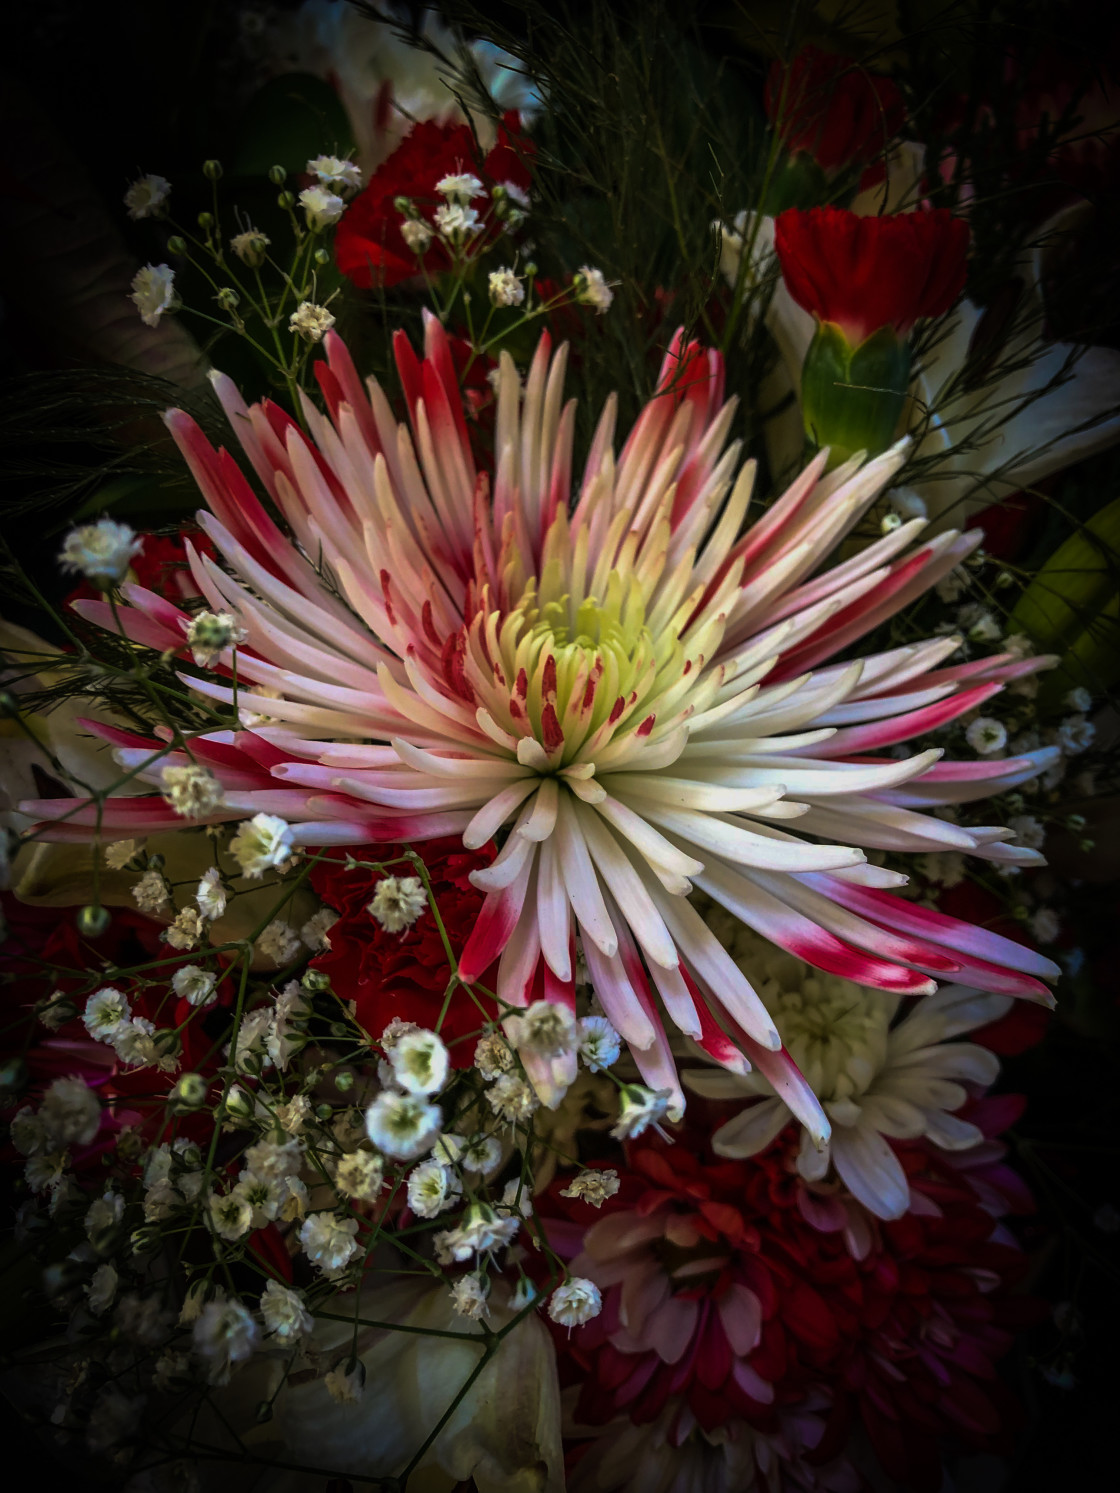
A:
x: 831, y: 109
x: 867, y: 273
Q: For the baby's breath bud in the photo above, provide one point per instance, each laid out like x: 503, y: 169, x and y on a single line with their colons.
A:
x: 404, y: 205
x: 191, y: 1091
x: 168, y: 1042
x: 239, y: 1104
x: 344, y: 1081
x: 322, y: 256
x: 251, y: 247
x: 227, y: 298
x: 206, y: 221
x: 286, y: 200
x: 145, y: 1240
x: 315, y: 981
x: 176, y: 245
x: 277, y: 175
x: 92, y: 920
x: 212, y: 170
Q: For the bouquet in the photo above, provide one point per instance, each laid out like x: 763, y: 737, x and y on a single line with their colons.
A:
x: 584, y: 601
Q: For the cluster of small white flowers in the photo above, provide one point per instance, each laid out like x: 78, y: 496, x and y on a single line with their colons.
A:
x: 456, y: 222
x: 186, y: 931
x: 328, y: 1242
x: 432, y: 1188
x: 986, y: 735
x: 121, y: 852
x: 360, y: 1175
x: 341, y: 175
x: 482, y: 1230
x: 251, y: 247
x: 194, y: 985
x: 506, y: 288
x: 1075, y: 735
x: 591, y: 289
x: 511, y: 1098
x: 575, y: 1302
x: 397, y: 902
x: 225, y: 1333
x: 469, y: 1295
x: 314, y: 932
x: 151, y: 892
x: 978, y: 623
x: 102, y: 552
x: 417, y: 234
x: 593, y: 1187
x: 191, y: 790
x: 284, y: 1314
x: 321, y: 207
x: 403, y: 1125
x: 638, y: 1109
x: 279, y: 942
x: 310, y: 321
x: 211, y: 895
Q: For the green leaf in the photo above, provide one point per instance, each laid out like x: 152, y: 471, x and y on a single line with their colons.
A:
x: 290, y: 120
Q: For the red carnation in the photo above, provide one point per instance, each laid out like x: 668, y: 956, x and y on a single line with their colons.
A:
x: 831, y: 109
x: 862, y: 274
x: 369, y: 247
x: 403, y: 974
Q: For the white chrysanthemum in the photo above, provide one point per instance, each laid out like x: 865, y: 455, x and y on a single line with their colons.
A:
x: 420, y: 1062
x: 261, y: 843
x: 403, y: 1125
x: 283, y: 1312
x: 469, y: 1295
x: 506, y: 288
x: 211, y: 895
x: 102, y: 552
x: 198, y: 987
x: 192, y: 791
x: 321, y: 208
x: 210, y: 634
x: 107, y: 1012
x: 593, y: 1187
x: 224, y: 1333
x: 71, y: 1112
x: 599, y: 1043
x: 360, y: 1174
x: 432, y: 1188
x: 146, y: 196
x: 575, y: 1302
x: 328, y: 1241
x: 878, y: 1078
x: 639, y: 1108
x: 153, y: 292
x: 397, y: 902
x: 341, y: 175
x: 310, y: 321
x: 592, y: 289
x: 417, y: 234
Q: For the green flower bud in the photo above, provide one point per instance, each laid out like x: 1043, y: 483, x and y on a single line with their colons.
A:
x: 92, y: 920
x: 190, y: 1092
x: 212, y: 170
x: 286, y: 200
x: 277, y: 175
x: 852, y: 397
x: 206, y: 221
x: 227, y: 298
x: 176, y: 244
x: 315, y: 981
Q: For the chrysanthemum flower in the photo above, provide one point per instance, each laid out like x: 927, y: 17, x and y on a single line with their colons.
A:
x: 606, y: 675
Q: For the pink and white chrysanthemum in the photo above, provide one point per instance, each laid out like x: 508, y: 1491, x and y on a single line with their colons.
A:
x: 611, y: 677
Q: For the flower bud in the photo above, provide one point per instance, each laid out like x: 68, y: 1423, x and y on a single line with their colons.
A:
x: 176, y: 244
x: 277, y: 175
x: 852, y: 397
x: 206, y: 221
x: 168, y: 1042
x: 92, y: 920
x: 344, y: 1081
x: 316, y: 981
x: 145, y: 1240
x: 212, y: 170
x: 239, y: 1104
x: 322, y: 256
x: 227, y: 298
x: 286, y: 200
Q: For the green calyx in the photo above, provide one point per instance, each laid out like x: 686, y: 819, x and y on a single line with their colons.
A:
x: 852, y: 397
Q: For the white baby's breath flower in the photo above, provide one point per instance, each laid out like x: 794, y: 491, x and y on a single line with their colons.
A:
x: 397, y: 902
x: 251, y: 247
x: 492, y: 1055
x: 321, y: 208
x: 211, y: 895
x: 1018, y: 645
x: 1079, y: 699
x: 416, y: 234
x: 460, y: 187
x: 944, y: 868
x: 153, y: 292
x: 1028, y: 831
x: 134, y: 1044
x: 101, y: 1289
x: 456, y: 222
x: 638, y: 1109
x: 279, y: 942
x: 71, y: 1112
x: 506, y: 288
x: 907, y: 503
x: 481, y: 1154
x: 952, y: 587
x: 420, y: 1062
x: 261, y: 843
x: 511, y: 1098
x: 986, y: 735
x: 231, y: 1214
x: 1075, y: 735
x: 120, y: 852
x: 360, y: 1174
x: 210, y: 633
x: 544, y: 1028
x: 593, y: 1187
x: 107, y: 1012
x: 194, y: 985
x: 103, y: 1214
x: 1044, y: 925
x: 575, y: 1302
x: 402, y: 1125
x: 432, y: 1188
x: 225, y: 1333
x: 329, y: 1242
x: 592, y: 289
x: 345, y: 1383
x: 28, y: 1133
x: 343, y: 176
x: 186, y: 931
x: 310, y: 321
x: 468, y: 1295
x: 978, y: 622
x: 191, y: 790
x: 599, y: 1043
x: 314, y: 931
x: 480, y: 1231
x: 283, y: 1312
x: 150, y: 892
x: 146, y: 196
x: 102, y: 552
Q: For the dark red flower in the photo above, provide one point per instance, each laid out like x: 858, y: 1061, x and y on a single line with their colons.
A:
x: 404, y: 974
x: 368, y: 245
x: 865, y: 273
x: 831, y: 108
